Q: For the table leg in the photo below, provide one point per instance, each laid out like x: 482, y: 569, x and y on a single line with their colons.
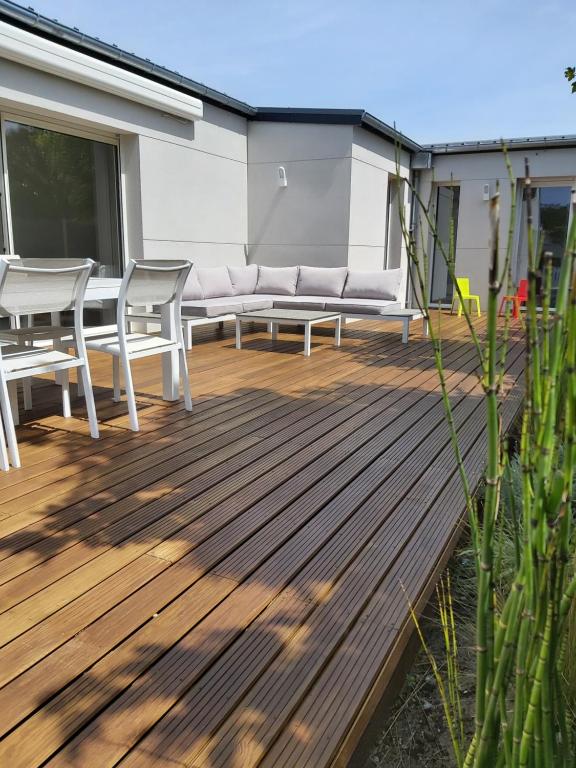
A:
x: 238, y: 333
x: 338, y: 331
x: 425, y: 329
x: 307, y: 333
x: 273, y: 328
x: 405, y: 329
x: 170, y: 364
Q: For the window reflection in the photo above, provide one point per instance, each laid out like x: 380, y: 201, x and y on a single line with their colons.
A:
x: 63, y: 196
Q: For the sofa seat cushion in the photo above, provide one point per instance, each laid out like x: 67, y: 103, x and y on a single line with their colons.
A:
x: 243, y: 279
x: 381, y: 285
x: 313, y: 303
x: 251, y: 302
x: 279, y: 280
x: 215, y: 282
x: 321, y: 281
x: 212, y: 307
x: 362, y: 307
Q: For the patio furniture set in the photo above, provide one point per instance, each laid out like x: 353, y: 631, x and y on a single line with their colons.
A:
x: 174, y: 296
x: 298, y: 295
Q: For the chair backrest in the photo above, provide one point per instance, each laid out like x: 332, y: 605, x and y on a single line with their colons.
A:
x: 31, y: 286
x: 156, y: 282
x: 523, y: 289
x: 464, y: 285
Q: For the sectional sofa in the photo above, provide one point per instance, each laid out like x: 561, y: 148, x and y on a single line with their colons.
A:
x: 216, y: 294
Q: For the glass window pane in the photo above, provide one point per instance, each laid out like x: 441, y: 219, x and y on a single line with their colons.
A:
x: 550, y: 216
x: 63, y: 197
x: 447, y: 206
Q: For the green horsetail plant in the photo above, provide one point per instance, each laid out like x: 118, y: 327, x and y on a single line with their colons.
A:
x: 522, y: 713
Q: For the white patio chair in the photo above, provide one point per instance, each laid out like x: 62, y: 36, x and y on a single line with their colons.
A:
x: 145, y: 282
x: 28, y: 290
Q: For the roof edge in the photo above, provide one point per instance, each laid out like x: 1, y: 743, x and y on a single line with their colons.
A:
x: 356, y: 117
x: 31, y: 21
x: 496, y: 145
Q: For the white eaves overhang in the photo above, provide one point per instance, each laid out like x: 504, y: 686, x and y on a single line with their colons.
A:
x: 39, y: 53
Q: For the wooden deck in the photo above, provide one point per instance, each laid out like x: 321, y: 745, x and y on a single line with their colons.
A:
x: 229, y: 587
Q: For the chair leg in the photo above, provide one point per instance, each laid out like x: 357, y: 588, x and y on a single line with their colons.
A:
x: 27, y: 391
x: 501, y: 306
x: 9, y: 423
x: 4, y: 463
x: 478, y: 312
x: 89, y: 398
x: 12, y: 387
x: 80, y: 385
x: 65, y: 385
x: 459, y: 308
x: 187, y: 331
x: 129, y: 388
x: 185, y: 380
x: 116, y: 378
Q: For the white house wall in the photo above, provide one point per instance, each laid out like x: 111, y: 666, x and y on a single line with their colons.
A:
x: 305, y: 222
x: 471, y: 172
x: 374, y: 160
x: 184, y: 184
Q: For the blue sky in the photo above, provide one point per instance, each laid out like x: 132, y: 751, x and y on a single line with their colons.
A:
x: 446, y: 70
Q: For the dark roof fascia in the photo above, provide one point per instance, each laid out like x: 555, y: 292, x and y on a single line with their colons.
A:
x: 470, y: 147
x: 356, y: 117
x: 31, y: 21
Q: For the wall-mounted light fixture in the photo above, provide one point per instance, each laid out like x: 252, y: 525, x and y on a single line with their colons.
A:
x: 486, y: 192
x: 282, y: 178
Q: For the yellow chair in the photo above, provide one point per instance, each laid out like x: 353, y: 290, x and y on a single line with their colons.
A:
x: 464, y: 285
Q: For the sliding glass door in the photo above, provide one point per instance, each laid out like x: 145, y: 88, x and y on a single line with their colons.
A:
x: 63, y: 196
x: 447, y: 207
x: 550, y: 222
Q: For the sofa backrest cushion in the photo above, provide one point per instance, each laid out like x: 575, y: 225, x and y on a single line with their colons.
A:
x: 321, y: 281
x: 193, y: 290
x: 243, y: 279
x: 215, y: 282
x: 384, y: 284
x: 280, y: 281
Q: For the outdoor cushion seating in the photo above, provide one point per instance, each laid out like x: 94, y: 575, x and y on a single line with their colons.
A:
x: 321, y: 281
x: 300, y: 302
x: 215, y: 282
x: 249, y: 288
x: 192, y: 289
x: 226, y: 305
x: 373, y: 285
x: 244, y: 279
x: 277, y: 280
x: 362, y: 306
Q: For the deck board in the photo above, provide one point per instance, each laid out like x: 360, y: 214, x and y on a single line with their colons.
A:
x: 223, y: 589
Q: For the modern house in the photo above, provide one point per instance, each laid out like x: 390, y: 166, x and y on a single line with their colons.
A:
x: 231, y: 587
x: 111, y: 156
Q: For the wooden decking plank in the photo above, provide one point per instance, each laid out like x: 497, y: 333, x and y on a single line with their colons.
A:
x: 235, y: 570
x: 358, y: 660
x: 8, y: 525
x: 110, y: 540
x: 174, y: 411
x: 109, y: 743
x: 221, y: 548
x: 214, y: 755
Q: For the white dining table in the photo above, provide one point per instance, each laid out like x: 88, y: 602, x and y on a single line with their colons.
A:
x: 105, y: 288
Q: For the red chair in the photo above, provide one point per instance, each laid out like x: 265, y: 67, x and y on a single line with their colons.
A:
x: 521, y: 297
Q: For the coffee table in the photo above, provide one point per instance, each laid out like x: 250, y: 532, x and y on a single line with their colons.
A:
x: 275, y: 317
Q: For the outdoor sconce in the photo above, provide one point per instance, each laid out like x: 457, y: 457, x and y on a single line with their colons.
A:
x: 486, y: 192
x: 282, y: 179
